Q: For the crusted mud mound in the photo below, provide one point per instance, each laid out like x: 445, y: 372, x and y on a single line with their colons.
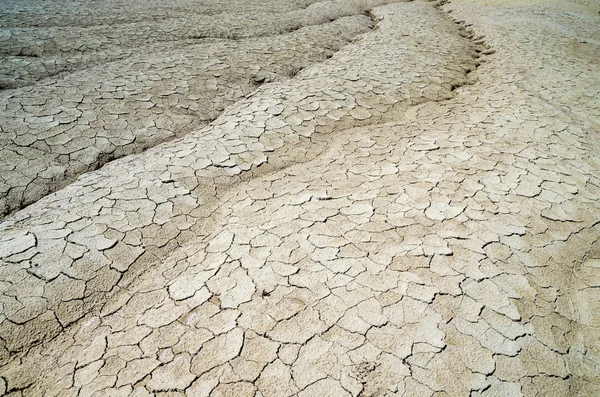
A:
x: 338, y: 198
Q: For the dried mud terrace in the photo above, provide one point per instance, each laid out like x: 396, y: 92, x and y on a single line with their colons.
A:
x: 371, y: 227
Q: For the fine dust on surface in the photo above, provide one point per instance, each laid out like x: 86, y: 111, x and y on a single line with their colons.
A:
x: 313, y: 198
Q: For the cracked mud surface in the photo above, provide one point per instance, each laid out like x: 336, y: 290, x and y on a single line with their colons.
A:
x: 133, y: 85
x: 312, y: 201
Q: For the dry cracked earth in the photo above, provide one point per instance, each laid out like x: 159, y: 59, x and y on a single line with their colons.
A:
x: 299, y: 198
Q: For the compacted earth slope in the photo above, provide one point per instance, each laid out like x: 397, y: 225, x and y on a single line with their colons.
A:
x: 336, y: 198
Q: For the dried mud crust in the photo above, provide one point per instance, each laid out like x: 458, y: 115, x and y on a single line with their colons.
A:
x: 405, y: 233
x: 93, y: 93
x: 271, y: 129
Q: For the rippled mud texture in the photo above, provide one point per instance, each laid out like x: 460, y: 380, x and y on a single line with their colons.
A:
x: 415, y: 212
